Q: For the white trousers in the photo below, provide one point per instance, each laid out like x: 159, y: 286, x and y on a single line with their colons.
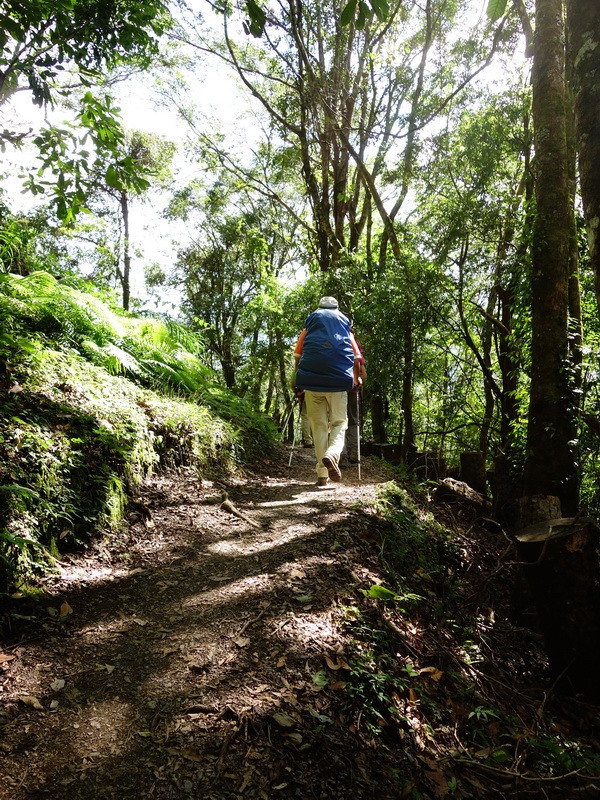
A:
x: 328, y: 416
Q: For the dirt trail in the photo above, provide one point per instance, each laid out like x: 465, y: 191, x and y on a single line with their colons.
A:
x: 191, y: 660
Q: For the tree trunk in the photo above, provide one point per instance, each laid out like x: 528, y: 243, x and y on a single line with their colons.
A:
x: 550, y: 462
x: 472, y: 470
x: 562, y: 569
x: 584, y: 47
x: 378, y: 414
x: 409, y: 447
x: 126, y: 276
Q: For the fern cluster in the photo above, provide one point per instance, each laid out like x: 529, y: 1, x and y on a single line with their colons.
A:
x: 92, y: 399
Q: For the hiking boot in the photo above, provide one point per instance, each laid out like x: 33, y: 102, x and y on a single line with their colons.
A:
x: 322, y: 482
x: 332, y: 468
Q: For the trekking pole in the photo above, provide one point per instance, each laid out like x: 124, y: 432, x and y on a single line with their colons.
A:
x: 358, y: 432
x: 286, y: 418
x: 296, y: 426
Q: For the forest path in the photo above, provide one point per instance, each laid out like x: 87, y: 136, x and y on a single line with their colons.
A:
x: 200, y: 655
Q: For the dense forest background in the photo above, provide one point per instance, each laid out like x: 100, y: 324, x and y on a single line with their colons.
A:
x: 432, y: 164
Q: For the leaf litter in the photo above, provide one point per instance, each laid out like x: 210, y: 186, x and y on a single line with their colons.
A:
x: 205, y: 656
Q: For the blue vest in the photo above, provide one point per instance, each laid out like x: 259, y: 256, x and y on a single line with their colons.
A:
x: 327, y: 360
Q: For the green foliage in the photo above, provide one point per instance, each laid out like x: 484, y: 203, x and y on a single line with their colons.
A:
x: 41, y: 42
x: 257, y: 18
x: 447, y: 680
x: 495, y: 9
x: 373, y: 678
x: 49, y: 36
x: 361, y: 12
x: 378, y: 592
x: 97, y: 400
x: 71, y: 157
x: 416, y: 550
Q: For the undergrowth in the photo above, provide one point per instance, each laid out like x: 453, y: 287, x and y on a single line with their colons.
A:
x: 92, y: 400
x: 437, y: 667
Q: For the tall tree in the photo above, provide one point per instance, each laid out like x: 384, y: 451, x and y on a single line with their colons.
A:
x: 228, y: 276
x: 584, y: 50
x: 149, y: 157
x: 550, y: 465
x: 563, y: 570
x: 471, y: 211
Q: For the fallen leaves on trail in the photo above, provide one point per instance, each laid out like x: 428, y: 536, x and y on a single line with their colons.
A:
x: 296, y: 572
x: 296, y: 738
x: 197, y: 708
x: 65, y: 609
x: 437, y: 779
x: 283, y: 720
x: 31, y: 701
x: 339, y: 663
x: 432, y: 672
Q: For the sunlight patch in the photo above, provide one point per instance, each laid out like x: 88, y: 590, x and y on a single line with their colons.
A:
x: 240, y: 547
x: 218, y: 585
x: 317, y: 627
x: 277, y: 503
x: 106, y: 724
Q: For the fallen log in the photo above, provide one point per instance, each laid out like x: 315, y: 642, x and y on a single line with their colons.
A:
x: 449, y: 489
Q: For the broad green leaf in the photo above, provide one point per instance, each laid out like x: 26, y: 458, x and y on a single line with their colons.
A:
x: 496, y: 9
x: 304, y: 598
x: 348, y: 12
x: 381, y: 9
x: 380, y: 593
x: 320, y: 678
x: 258, y: 18
x: 112, y: 177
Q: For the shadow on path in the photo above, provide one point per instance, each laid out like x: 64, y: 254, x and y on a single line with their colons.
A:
x: 197, y: 662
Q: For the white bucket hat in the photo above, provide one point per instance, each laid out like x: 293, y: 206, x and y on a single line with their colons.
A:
x: 328, y: 302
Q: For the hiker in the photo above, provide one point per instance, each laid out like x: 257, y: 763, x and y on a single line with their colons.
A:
x: 350, y: 451
x: 327, y: 365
